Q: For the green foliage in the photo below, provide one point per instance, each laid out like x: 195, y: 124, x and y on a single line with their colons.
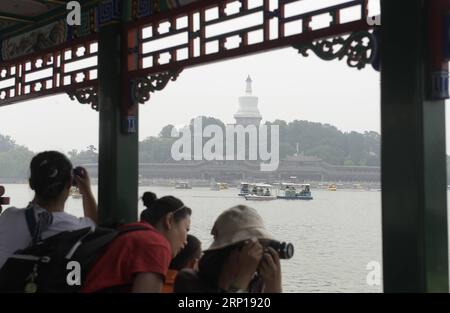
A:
x: 166, y: 131
x: 297, y: 137
x: 328, y: 143
x: 14, y: 159
x: 6, y: 143
x: 326, y: 153
x: 308, y: 138
x: 155, y: 150
x: 87, y: 156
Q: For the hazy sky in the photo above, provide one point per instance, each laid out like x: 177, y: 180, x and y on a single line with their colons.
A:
x: 289, y: 87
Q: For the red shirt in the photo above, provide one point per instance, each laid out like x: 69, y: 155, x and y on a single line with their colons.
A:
x: 140, y: 251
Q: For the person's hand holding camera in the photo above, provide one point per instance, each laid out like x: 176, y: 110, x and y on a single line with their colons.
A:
x: 83, y: 182
x: 248, y: 258
x: 270, y: 271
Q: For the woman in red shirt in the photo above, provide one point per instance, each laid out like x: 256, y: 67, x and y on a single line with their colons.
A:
x: 138, y: 261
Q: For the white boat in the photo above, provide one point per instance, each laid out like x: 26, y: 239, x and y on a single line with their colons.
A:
x: 182, y: 185
x: 260, y: 198
x: 260, y: 192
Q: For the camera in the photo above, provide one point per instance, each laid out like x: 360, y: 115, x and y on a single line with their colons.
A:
x: 77, y: 171
x: 285, y: 250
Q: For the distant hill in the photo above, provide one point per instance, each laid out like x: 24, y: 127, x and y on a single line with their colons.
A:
x: 14, y: 159
x: 298, y: 137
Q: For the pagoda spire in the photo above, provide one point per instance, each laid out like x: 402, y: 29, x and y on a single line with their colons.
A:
x: 248, y: 90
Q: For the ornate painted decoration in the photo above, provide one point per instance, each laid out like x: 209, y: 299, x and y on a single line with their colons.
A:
x: 207, y: 31
x: 49, y: 72
x: 85, y: 96
x: 142, y: 87
x: 141, y: 8
x: 41, y: 38
x: 108, y: 11
x: 58, y: 32
x: 185, y: 33
x: 359, y: 48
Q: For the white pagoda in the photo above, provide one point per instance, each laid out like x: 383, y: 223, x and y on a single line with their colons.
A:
x: 248, y: 112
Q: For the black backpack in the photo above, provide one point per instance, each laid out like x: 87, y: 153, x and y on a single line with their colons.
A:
x: 47, y: 266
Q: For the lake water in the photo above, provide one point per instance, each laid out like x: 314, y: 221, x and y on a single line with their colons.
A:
x: 335, y: 235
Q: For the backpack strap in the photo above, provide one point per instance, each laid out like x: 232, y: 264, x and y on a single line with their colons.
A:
x: 102, y: 237
x: 31, y: 220
x: 36, y: 227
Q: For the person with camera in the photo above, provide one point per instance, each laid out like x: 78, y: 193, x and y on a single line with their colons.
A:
x: 51, y: 177
x: 242, y: 258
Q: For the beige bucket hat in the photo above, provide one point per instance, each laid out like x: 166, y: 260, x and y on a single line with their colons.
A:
x: 237, y: 224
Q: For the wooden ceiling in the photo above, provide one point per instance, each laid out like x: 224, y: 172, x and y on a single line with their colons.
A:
x: 18, y: 15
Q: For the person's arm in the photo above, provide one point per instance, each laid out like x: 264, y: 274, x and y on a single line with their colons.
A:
x: 89, y: 203
x: 147, y: 283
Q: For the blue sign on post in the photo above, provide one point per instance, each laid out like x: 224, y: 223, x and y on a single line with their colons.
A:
x: 439, y: 85
x: 131, y: 124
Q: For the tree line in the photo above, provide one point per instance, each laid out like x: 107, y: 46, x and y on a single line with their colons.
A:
x: 296, y: 138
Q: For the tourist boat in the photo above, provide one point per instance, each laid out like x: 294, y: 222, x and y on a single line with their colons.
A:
x: 295, y: 192
x: 332, y: 187
x: 183, y: 185
x: 75, y: 193
x: 260, y: 192
x: 244, y: 189
x: 219, y: 186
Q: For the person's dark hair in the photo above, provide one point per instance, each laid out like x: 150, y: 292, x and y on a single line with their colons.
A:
x: 158, y: 208
x: 50, y: 173
x: 211, y: 265
x: 148, y: 197
x: 191, y: 251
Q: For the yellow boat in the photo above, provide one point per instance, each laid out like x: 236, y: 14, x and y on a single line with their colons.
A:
x: 219, y: 186
x: 332, y: 187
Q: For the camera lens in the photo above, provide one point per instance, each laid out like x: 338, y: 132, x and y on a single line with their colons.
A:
x: 284, y: 250
x: 288, y: 250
